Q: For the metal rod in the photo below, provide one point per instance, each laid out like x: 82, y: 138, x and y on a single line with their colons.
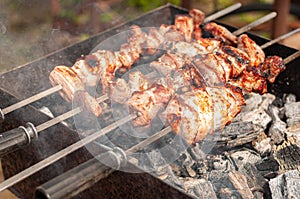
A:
x: 31, y: 99
x: 255, y: 23
x: 279, y: 38
x: 68, y: 184
x: 222, y: 12
x: 66, y: 151
x: 148, y: 141
x: 65, y: 116
x: 291, y: 57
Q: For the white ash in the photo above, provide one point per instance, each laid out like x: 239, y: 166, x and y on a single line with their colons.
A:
x: 286, y: 185
x: 278, y: 127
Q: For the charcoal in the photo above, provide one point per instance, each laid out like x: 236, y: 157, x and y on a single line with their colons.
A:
x: 200, y: 188
x: 227, y: 186
x: 288, y: 155
x: 289, y: 98
x: 268, y: 167
x: 292, y: 109
x: 239, y: 182
x: 262, y: 144
x: 196, y: 152
x: 257, y: 117
x: 243, y: 156
x: 294, y: 121
x: 253, y: 100
x: 255, y: 180
x: 171, y: 178
x: 157, y: 162
x: 222, y: 186
x: 268, y: 99
x: 188, y: 163
x: 278, y: 128
x: 255, y: 110
x: 286, y: 185
x: 222, y: 163
x: 293, y: 133
x: 238, y: 133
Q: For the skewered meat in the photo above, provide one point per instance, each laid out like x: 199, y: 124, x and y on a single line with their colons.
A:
x: 89, y: 103
x: 272, y: 67
x: 120, y: 91
x: 198, y: 18
x: 220, y: 32
x: 251, y: 81
x: 201, y: 91
x: 254, y: 51
x: 168, y: 63
x: 68, y: 79
x: 191, y: 115
x: 148, y: 103
x: 185, y: 24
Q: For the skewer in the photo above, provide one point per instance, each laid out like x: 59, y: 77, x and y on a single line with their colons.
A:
x: 53, y: 158
x: 222, y: 12
x: 280, y: 38
x: 69, y: 184
x: 29, y: 100
x: 255, y: 23
x: 57, y: 88
x: 66, y: 151
x: 291, y: 57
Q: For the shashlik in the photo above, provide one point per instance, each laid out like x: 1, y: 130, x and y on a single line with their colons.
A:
x: 204, y: 76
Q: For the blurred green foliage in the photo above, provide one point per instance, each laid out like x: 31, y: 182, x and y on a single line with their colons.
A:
x: 149, y: 5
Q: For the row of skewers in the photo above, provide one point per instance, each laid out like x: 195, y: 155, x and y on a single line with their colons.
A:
x: 209, y: 87
x: 202, y: 78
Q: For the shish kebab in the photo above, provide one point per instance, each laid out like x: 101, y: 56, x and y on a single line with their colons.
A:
x: 68, y: 150
x: 54, y: 89
x: 24, y: 135
x: 53, y: 158
x: 191, y: 114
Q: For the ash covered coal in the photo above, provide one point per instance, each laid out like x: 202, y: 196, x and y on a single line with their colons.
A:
x: 256, y: 156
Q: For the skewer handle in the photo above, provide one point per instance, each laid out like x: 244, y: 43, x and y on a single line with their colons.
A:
x: 13, y: 139
x: 80, y: 178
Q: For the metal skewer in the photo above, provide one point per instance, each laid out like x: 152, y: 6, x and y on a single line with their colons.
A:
x: 280, y: 38
x: 46, y: 162
x: 69, y: 184
x: 291, y: 57
x: 255, y: 23
x: 29, y: 100
x: 57, y: 88
x: 222, y: 12
x: 66, y: 151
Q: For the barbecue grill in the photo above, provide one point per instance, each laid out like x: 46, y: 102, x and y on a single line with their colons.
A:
x: 32, y: 78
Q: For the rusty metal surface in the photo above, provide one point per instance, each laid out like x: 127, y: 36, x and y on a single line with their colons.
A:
x: 32, y: 78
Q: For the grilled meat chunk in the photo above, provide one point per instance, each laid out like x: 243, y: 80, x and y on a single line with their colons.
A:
x: 251, y: 80
x: 148, y: 103
x: 168, y: 63
x: 255, y: 53
x: 272, y: 67
x: 220, y: 32
x: 185, y: 24
x: 191, y: 115
x: 68, y: 79
x: 88, y: 102
x: 119, y: 91
x: 198, y: 18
